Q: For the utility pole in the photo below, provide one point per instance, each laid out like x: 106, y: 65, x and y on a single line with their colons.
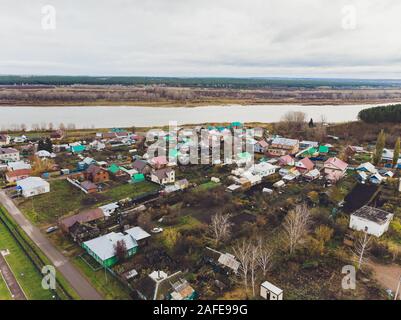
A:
x: 398, y: 289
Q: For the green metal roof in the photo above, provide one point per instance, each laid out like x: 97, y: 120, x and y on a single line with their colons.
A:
x: 323, y: 149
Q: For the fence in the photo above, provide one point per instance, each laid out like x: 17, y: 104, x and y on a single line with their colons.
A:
x: 30, y: 252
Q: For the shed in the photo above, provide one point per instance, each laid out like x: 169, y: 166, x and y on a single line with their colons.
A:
x: 269, y: 291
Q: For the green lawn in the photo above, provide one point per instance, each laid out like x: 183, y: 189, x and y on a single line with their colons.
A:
x: 107, y: 285
x: 130, y: 190
x: 207, y: 186
x: 64, y: 198
x: 4, y: 293
x: 25, y: 272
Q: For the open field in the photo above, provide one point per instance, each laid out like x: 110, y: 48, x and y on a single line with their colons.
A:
x: 25, y: 272
x: 65, y: 198
x: 200, y: 92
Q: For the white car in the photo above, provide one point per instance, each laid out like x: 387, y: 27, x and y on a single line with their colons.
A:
x: 156, y: 230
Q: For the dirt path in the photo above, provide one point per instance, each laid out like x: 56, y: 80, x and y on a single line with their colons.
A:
x: 10, y: 280
x: 387, y: 275
x: 69, y: 271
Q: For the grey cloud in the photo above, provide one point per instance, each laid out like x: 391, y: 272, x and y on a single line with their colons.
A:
x: 209, y: 37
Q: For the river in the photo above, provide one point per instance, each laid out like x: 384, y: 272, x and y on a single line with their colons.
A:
x: 123, y: 116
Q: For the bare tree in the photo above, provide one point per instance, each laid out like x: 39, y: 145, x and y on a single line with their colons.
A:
x: 242, y: 252
x: 265, y: 257
x: 220, y: 227
x: 294, y: 120
x: 296, y: 226
x: 253, y: 265
x: 362, y: 246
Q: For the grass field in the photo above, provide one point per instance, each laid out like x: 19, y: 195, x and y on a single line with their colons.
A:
x: 108, y: 286
x: 63, y: 199
x: 23, y: 269
x: 4, y: 293
x: 32, y: 255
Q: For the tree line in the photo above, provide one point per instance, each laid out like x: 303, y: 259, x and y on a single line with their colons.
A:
x: 390, y: 114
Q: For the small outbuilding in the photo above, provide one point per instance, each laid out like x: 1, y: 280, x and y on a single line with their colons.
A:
x: 371, y: 220
x: 269, y: 291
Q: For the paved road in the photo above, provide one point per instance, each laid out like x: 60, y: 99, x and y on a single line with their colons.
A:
x: 11, y: 281
x: 63, y: 265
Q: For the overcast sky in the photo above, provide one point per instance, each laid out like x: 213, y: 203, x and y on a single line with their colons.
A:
x: 264, y: 38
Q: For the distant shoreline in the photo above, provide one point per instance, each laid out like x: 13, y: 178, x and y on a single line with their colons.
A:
x: 166, y: 104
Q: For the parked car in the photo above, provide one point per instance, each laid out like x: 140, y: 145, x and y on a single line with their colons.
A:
x: 156, y: 230
x: 51, y: 229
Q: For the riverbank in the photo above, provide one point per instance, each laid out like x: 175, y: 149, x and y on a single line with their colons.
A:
x: 34, y: 118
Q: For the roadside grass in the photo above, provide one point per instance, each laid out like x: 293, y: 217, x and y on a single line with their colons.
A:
x: 4, y: 292
x: 63, y: 199
x: 25, y: 272
x: 107, y: 285
x: 27, y: 247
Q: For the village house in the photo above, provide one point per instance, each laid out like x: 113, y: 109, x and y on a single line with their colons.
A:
x: 371, y: 220
x: 102, y: 249
x: 87, y: 216
x: 263, y: 169
x: 158, y: 285
x: 286, y: 160
x: 4, y: 140
x: 77, y: 148
x: 367, y: 167
x: 96, y: 174
x: 158, y: 162
x: 118, y: 172
x: 9, y: 154
x: 312, y: 175
x: 32, y: 186
x: 260, y: 146
x: 387, y: 157
x: 377, y: 178
x: 109, y: 209
x: 163, y: 176
x: 335, y: 169
x: 140, y: 235
x: 19, y: 174
x: 85, y: 163
x: 308, y: 144
x: 283, y: 146
x: 89, y: 187
x: 18, y: 165
x: 97, y: 145
x: 141, y: 166
x: 45, y: 154
x: 304, y: 165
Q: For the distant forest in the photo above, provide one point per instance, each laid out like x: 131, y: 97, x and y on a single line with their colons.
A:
x: 235, y: 83
x: 391, y: 114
